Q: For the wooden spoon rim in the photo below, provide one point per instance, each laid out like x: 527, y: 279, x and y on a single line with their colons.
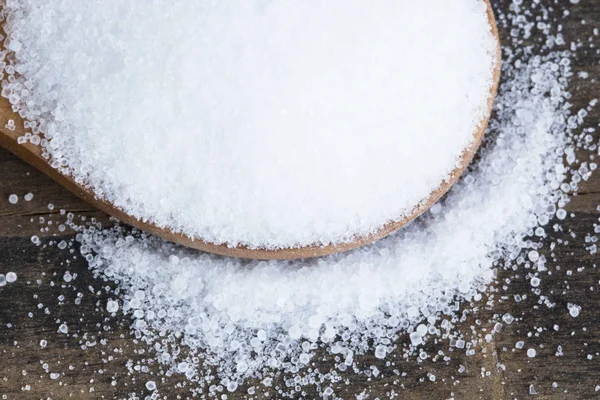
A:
x: 32, y: 154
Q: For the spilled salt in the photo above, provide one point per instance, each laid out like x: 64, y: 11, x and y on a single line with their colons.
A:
x: 268, y: 124
x: 11, y: 277
x: 247, y: 318
x: 268, y: 319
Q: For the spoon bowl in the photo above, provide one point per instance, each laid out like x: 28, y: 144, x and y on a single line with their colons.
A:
x: 32, y: 154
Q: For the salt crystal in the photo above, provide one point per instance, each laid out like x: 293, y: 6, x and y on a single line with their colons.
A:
x: 112, y: 306
x: 508, y: 318
x: 531, y: 387
x: 416, y: 339
x: 63, y: 328
x: 380, y: 352
x: 533, y: 256
x: 574, y: 309
x: 11, y: 277
x: 181, y: 367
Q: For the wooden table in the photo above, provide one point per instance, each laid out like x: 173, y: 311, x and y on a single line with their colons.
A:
x: 91, y: 360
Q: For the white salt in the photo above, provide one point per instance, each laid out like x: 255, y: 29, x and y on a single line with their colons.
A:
x: 416, y: 339
x: 519, y: 344
x: 13, y: 199
x: 380, y: 352
x: 11, y: 277
x: 63, y: 328
x: 574, y: 309
x: 112, y: 306
x: 268, y: 124
x: 245, y: 317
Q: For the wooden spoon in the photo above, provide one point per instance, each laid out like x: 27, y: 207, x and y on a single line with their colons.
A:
x: 32, y: 154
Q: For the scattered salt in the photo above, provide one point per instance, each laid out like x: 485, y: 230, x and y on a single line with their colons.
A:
x: 519, y: 344
x: 11, y: 277
x: 112, y: 306
x: 322, y: 300
x: 246, y: 318
x: 574, y: 309
x: 380, y: 352
x: 63, y: 328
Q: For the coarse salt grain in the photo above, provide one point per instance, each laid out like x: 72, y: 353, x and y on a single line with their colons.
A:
x: 269, y: 124
x: 11, y: 277
x: 63, y: 328
x: 112, y: 306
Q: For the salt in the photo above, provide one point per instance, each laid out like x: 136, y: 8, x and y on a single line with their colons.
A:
x: 574, y: 310
x: 112, y: 306
x: 245, y: 319
x: 254, y: 130
x: 416, y: 339
x: 380, y: 352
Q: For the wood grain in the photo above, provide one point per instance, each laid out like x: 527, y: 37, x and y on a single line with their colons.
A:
x: 574, y: 279
x: 33, y: 155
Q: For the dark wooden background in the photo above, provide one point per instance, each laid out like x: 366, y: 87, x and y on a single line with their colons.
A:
x: 91, y: 360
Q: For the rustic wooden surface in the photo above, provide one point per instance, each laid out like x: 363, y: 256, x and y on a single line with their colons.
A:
x: 91, y: 359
